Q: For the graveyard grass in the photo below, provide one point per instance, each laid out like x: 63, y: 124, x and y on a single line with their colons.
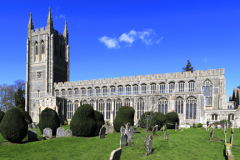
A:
x: 186, y: 144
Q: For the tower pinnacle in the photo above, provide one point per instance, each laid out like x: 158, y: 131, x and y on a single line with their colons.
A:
x: 49, y: 20
x: 30, y: 22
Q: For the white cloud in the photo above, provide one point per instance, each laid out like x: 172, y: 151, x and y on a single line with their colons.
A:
x: 109, y: 42
x: 205, y: 60
x: 128, y: 37
x: 146, y: 36
x: 62, y: 16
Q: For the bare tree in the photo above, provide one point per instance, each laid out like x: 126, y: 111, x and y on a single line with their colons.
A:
x: 7, y: 94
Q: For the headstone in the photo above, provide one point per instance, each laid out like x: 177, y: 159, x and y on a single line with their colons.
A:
x: 149, y: 147
x: 116, y: 154
x: 32, y: 135
x: 231, y: 139
x: 175, y: 126
x: 165, y: 136
x: 218, y: 127
x: 34, y: 125
x: 107, y: 129
x: 129, y: 137
x: 60, y: 132
x: 131, y: 130
x: 102, y: 132
x: 111, y: 129
x: 164, y: 128
x: 47, y: 133
x: 68, y: 133
x: 126, y: 128
x: 123, y: 140
x: 156, y: 127
x: 153, y: 131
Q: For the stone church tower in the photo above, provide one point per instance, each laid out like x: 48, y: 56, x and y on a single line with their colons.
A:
x: 47, y: 62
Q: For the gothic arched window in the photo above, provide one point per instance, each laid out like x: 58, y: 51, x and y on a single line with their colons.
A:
x: 140, y: 108
x: 191, y: 86
x: 191, y: 108
x: 69, y: 110
x: 112, y: 90
x: 120, y: 90
x: 104, y: 90
x: 179, y: 105
x: 76, y: 104
x: 108, y: 109
x: 92, y: 103
x: 144, y: 89
x: 128, y: 90
x: 153, y: 88
x: 207, y: 91
x: 231, y: 117
x: 181, y: 87
x: 171, y: 87
x: 135, y: 89
x: 214, y: 117
x: 127, y: 102
x: 118, y: 104
x: 162, y: 87
x: 101, y: 107
x: 163, y: 105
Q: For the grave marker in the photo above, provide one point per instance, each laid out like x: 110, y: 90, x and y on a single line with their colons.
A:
x: 32, y: 135
x: 131, y: 130
x: 123, y: 140
x: 68, y: 133
x: 165, y: 136
x: 60, y: 132
x: 47, y: 133
x: 102, y: 132
x: 116, y: 154
x: 149, y: 146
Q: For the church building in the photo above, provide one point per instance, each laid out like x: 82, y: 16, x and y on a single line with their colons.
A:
x: 196, y: 96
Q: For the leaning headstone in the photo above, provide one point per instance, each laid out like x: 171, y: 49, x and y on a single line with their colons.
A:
x: 175, y: 126
x: 102, y: 132
x: 165, y: 136
x: 60, y: 132
x: 131, y: 130
x: 68, y: 133
x: 116, y: 154
x: 34, y: 125
x: 47, y: 133
x: 149, y: 147
x: 32, y: 135
x: 123, y: 140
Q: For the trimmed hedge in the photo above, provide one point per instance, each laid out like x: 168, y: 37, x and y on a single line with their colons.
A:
x: 83, y: 122
x: 1, y: 115
x: 171, y: 119
x: 49, y: 119
x: 13, y: 126
x: 154, y: 118
x: 124, y: 115
x: 26, y: 115
x: 100, y: 120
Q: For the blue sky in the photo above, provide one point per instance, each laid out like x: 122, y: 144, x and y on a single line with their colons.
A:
x: 128, y: 38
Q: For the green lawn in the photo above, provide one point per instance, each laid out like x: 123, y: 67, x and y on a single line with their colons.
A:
x: 187, y: 144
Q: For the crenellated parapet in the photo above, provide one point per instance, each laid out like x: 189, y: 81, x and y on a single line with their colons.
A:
x: 133, y: 79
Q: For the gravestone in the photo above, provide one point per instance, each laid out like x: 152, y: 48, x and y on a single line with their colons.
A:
x: 32, y: 135
x: 131, y: 130
x: 60, y: 132
x: 175, y: 126
x: 218, y: 127
x: 126, y: 128
x: 156, y: 127
x: 116, y: 154
x: 153, y: 131
x: 129, y: 137
x: 123, y: 140
x: 163, y: 128
x: 47, y: 133
x: 102, y: 132
x: 111, y: 129
x: 107, y: 129
x: 165, y: 136
x: 149, y: 146
x: 231, y: 139
x: 29, y: 125
x: 34, y: 125
x: 68, y: 133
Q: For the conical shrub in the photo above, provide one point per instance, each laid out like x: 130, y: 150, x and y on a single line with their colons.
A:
x: 26, y: 116
x: 13, y: 126
x: 171, y: 120
x: 49, y: 119
x: 83, y: 122
x: 124, y: 115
